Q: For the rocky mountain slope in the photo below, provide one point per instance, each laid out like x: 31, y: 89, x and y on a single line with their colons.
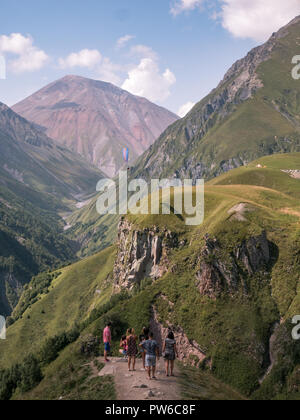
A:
x: 30, y: 157
x: 222, y: 286
x: 39, y: 180
x: 96, y: 119
x: 253, y: 112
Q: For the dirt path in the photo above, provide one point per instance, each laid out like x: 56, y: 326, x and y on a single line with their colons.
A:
x: 136, y: 385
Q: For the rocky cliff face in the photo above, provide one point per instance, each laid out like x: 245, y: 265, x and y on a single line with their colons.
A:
x: 10, y: 291
x: 216, y: 275
x: 189, y: 351
x: 96, y: 119
x: 142, y: 254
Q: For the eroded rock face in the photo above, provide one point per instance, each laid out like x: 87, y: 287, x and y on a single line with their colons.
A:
x: 188, y: 350
x: 254, y: 253
x: 10, y: 282
x: 142, y: 254
x: 217, y: 275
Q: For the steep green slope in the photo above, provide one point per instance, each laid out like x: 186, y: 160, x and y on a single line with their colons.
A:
x: 253, y: 112
x: 231, y: 285
x: 93, y: 231
x: 68, y: 298
x: 31, y: 240
x: 30, y: 157
x: 39, y: 180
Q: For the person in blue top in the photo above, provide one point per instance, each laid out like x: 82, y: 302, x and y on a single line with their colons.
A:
x: 152, y: 354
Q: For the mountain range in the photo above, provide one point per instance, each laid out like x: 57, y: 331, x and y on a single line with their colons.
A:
x: 228, y: 288
x: 96, y: 119
x: 253, y: 112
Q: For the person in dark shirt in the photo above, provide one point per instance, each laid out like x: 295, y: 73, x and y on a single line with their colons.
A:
x: 152, y: 354
x: 170, y: 352
x: 131, y: 348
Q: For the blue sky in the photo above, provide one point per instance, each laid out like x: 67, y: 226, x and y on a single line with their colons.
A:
x: 171, y: 51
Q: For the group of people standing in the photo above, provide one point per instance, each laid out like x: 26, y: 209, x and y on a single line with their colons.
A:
x: 148, y: 347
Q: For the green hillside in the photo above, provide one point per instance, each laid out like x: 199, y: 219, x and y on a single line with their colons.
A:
x: 33, y: 159
x: 253, y: 112
x: 46, y: 310
x: 231, y: 310
x: 93, y: 231
x: 39, y: 182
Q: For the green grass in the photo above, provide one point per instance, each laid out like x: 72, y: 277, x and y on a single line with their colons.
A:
x: 233, y: 329
x: 69, y: 378
x: 238, y: 131
x: 270, y: 175
x: 198, y: 385
x: 71, y: 298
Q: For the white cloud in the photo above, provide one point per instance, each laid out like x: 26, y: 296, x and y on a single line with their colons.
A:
x: 185, y: 109
x: 147, y: 81
x: 180, y: 6
x: 84, y: 58
x: 124, y: 40
x: 143, y: 51
x: 254, y: 19
x: 108, y: 72
x: 30, y: 58
x: 15, y: 43
x: 93, y: 60
x: 257, y: 19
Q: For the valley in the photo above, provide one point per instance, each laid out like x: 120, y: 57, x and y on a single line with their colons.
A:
x: 223, y: 284
x: 39, y: 181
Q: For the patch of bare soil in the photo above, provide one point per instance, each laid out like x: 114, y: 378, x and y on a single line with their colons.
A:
x: 136, y: 385
x: 291, y: 212
x: 238, y: 212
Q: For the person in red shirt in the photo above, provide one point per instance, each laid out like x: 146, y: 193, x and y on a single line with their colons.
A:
x: 107, y: 340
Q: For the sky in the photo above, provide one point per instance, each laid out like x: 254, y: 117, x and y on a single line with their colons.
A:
x: 173, y: 52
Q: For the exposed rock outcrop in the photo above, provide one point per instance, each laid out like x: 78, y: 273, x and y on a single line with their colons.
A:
x: 10, y: 291
x: 188, y: 350
x: 293, y: 173
x: 142, y: 254
x: 217, y: 274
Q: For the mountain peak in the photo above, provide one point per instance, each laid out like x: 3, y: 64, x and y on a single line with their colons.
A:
x: 73, y: 78
x: 96, y: 119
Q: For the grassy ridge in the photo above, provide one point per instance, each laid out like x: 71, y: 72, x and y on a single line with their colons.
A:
x: 233, y: 329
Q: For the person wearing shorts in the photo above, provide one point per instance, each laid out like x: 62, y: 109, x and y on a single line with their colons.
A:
x: 107, y: 341
x: 152, y: 355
